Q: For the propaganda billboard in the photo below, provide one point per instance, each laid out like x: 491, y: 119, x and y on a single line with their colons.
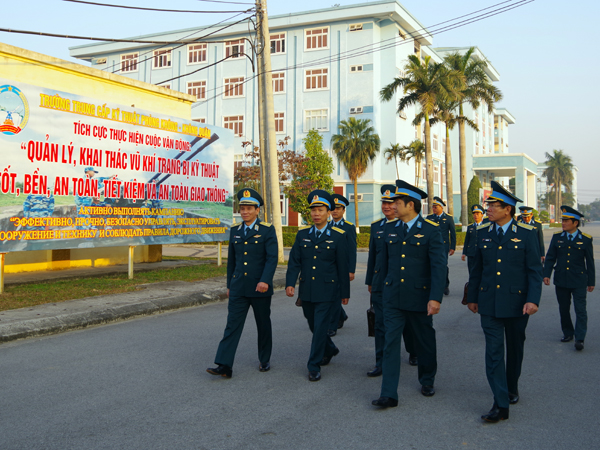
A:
x: 80, y: 172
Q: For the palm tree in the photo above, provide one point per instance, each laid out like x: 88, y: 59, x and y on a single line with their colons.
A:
x: 425, y: 84
x: 477, y: 89
x: 416, y: 150
x: 395, y: 152
x: 355, y: 146
x: 560, y: 173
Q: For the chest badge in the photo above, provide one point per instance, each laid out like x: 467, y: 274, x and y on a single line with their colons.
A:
x: 419, y: 235
x: 257, y: 235
x: 579, y: 243
x: 516, y: 240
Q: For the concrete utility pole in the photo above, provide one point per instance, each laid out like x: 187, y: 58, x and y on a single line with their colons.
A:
x: 262, y: 146
x: 268, y: 119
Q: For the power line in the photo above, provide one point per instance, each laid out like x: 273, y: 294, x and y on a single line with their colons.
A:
x: 221, y: 1
x: 148, y: 9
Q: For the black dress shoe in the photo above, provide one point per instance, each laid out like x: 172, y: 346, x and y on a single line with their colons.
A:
x: 385, y: 402
x: 331, y: 333
x: 566, y: 339
x: 496, y: 414
x: 314, y: 375
x: 446, y: 291
x: 264, y: 367
x: 341, y: 322
x: 376, y: 372
x: 221, y: 370
x: 513, y: 399
x: 413, y: 361
x: 428, y: 390
x: 579, y: 345
x: 327, y: 359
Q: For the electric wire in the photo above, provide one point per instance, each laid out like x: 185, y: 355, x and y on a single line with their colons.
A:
x: 149, y: 9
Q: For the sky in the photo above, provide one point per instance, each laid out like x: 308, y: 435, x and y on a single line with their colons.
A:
x: 544, y: 52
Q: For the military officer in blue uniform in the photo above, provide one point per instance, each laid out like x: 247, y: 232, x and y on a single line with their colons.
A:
x: 470, y: 245
x: 414, y: 269
x: 338, y: 315
x: 505, y: 286
x: 374, y: 281
x: 251, y: 263
x: 526, y: 216
x: 571, y: 256
x: 446, y: 223
x: 36, y: 206
x: 320, y: 257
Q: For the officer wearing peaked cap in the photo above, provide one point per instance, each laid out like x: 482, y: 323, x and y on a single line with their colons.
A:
x: 505, y: 285
x: 320, y: 257
x: 470, y: 245
x: 526, y: 216
x: 571, y: 256
x: 251, y: 264
x: 446, y: 223
x: 338, y: 315
x: 374, y: 281
x: 414, y: 269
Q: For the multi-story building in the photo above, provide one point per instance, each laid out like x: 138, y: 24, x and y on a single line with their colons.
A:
x: 328, y: 65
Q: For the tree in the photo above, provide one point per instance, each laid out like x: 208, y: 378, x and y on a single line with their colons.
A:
x: 416, y: 150
x: 395, y: 152
x: 356, y: 145
x: 473, y: 195
x: 313, y: 172
x: 559, y: 173
x: 477, y: 89
x: 425, y: 84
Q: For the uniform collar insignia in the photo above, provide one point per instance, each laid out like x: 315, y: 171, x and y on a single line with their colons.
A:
x: 328, y: 232
x: 514, y: 228
x: 241, y: 225
x: 255, y: 227
x: 419, y: 224
x: 383, y: 221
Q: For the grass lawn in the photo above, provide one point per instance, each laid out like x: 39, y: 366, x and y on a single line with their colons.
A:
x: 27, y: 295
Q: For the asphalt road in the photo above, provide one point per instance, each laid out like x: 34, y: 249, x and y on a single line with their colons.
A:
x: 142, y: 384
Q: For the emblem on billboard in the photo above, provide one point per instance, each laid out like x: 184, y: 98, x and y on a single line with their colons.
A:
x: 14, y: 110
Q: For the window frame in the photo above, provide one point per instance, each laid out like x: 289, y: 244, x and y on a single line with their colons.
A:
x: 304, y: 119
x: 230, y: 44
x: 317, y: 76
x: 282, y: 120
x: 162, y: 52
x: 240, y: 121
x: 189, y: 51
x: 314, y: 49
x: 356, y: 66
x: 284, y: 40
x: 197, y: 81
x: 137, y: 58
x: 355, y: 25
x: 238, y: 84
x: 278, y: 80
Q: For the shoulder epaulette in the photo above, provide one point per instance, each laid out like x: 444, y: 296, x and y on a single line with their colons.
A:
x: 339, y: 230
x: 526, y: 226
x: 538, y: 221
x: 432, y: 222
x: 266, y: 224
x: 558, y: 232
x: 234, y: 224
x: 304, y: 227
x: 484, y: 225
x: 375, y: 221
x: 392, y: 221
x: 349, y: 223
x: 587, y: 235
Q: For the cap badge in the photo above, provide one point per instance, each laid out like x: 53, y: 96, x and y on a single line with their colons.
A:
x: 247, y: 194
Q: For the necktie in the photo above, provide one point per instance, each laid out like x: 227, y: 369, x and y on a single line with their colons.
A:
x: 405, y: 227
x: 318, y: 234
x: 246, y: 231
x: 570, y: 237
x: 500, y: 232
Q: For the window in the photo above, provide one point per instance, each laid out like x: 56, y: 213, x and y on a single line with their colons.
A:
x: 279, y: 122
x: 234, y: 49
x: 234, y: 87
x: 356, y: 27
x: 238, y: 161
x: 316, y: 79
x: 162, y: 58
x: 357, y: 68
x: 129, y: 62
x: 278, y: 82
x: 197, y: 53
x: 317, y: 38
x: 435, y: 142
x: 477, y: 148
x: 277, y: 43
x: 443, y: 175
x: 444, y: 145
x: 197, y: 89
x: 201, y: 120
x: 234, y: 123
x: 417, y: 48
x: 423, y: 173
x: 317, y: 119
x: 436, y: 173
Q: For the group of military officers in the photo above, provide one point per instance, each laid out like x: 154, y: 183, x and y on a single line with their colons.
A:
x: 407, y: 277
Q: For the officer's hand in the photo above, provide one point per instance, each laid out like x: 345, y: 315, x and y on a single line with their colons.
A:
x: 351, y: 277
x: 590, y: 288
x: 345, y: 301
x: 227, y: 293
x: 473, y: 307
x: 262, y: 287
x: 433, y: 307
x: 289, y: 291
x: 451, y: 252
x: 369, y: 287
x: 463, y: 257
x: 530, y: 308
x: 547, y: 281
x: 543, y: 259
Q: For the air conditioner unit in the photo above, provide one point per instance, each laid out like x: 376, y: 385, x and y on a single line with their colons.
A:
x: 359, y: 197
x: 356, y: 110
x: 99, y: 61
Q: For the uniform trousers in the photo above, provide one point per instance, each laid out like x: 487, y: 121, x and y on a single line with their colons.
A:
x: 563, y: 295
x: 237, y: 310
x: 318, y: 315
x: 395, y: 320
x: 504, y: 377
x: 407, y: 334
x: 337, y: 313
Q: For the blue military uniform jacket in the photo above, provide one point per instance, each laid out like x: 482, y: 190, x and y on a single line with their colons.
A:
x: 446, y: 223
x: 350, y: 233
x: 507, y: 273
x: 413, y: 266
x: 374, y: 276
x: 470, y: 245
x: 321, y: 263
x: 572, y: 261
x: 251, y: 259
x: 540, y: 232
